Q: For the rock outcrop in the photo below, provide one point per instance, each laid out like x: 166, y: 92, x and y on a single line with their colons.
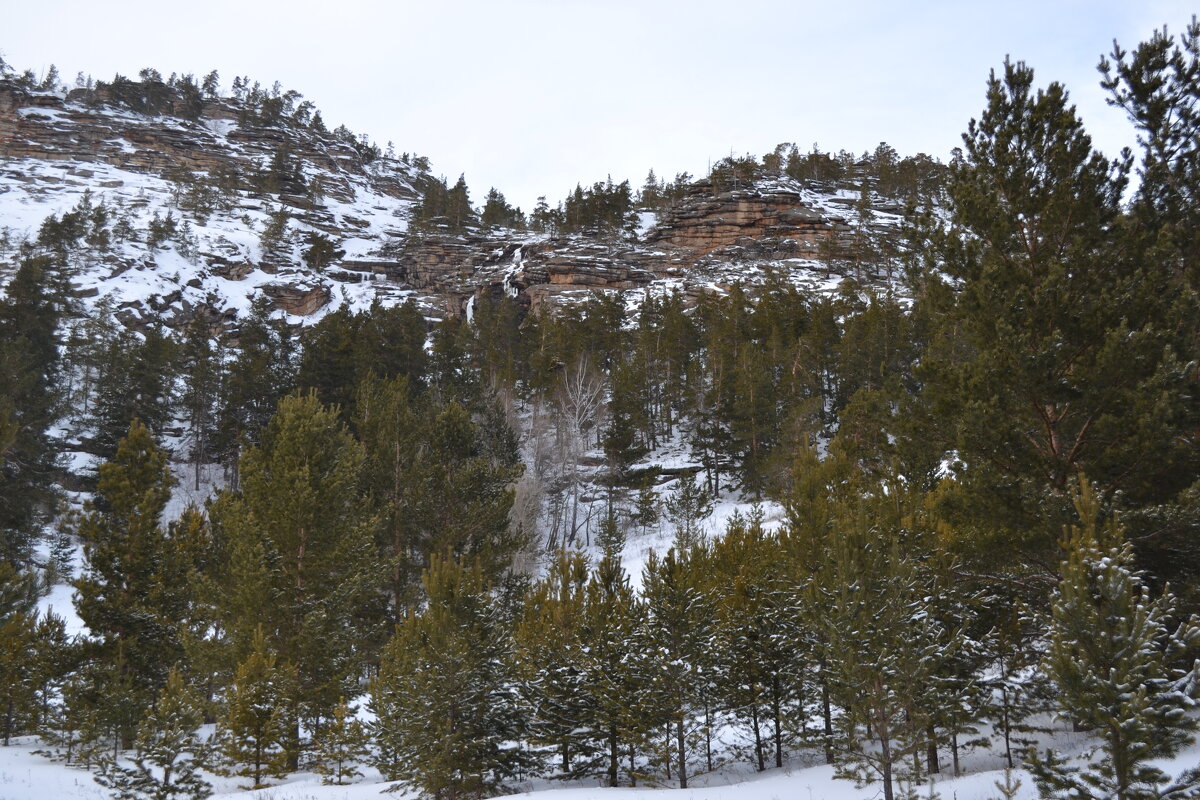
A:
x: 300, y: 299
x: 255, y: 197
x: 706, y: 221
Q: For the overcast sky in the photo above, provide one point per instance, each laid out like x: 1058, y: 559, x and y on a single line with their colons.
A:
x: 533, y: 96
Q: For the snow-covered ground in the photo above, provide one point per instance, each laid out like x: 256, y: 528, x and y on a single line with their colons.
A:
x: 25, y: 775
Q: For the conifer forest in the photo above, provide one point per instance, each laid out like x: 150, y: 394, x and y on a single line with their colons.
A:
x: 942, y: 499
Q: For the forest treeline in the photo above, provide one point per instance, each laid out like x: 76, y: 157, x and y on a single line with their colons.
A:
x: 991, y: 488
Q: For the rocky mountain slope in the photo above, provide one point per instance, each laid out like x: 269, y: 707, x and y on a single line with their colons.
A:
x: 203, y: 211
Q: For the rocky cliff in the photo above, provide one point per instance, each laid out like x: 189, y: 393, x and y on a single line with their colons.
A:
x: 244, y: 202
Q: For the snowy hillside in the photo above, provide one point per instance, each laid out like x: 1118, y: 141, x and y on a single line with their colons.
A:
x: 165, y: 241
x: 175, y: 215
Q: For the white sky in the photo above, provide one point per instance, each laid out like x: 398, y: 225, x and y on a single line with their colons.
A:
x: 533, y: 96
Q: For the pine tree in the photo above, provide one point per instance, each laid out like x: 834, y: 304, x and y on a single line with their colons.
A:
x: 687, y: 507
x: 29, y: 365
x: 341, y: 746
x: 458, y: 205
x: 390, y: 426
x: 261, y: 372
x: 135, y: 381
x: 444, y: 481
x: 679, y: 626
x: 255, y: 733
x: 447, y: 722
x: 132, y: 594
x: 99, y: 703
x: 647, y: 510
x: 17, y: 647
x: 1113, y: 658
x: 301, y: 514
x: 549, y: 661
x: 882, y: 646
x: 757, y: 652
x: 52, y: 660
x: 201, y: 372
x: 1061, y: 344
x: 169, y: 752
x: 615, y: 676
x: 1157, y: 86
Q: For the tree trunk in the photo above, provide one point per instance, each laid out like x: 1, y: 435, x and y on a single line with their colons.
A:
x: 758, y: 745
x: 931, y: 751
x: 776, y: 713
x: 612, y: 756
x: 681, y: 741
x: 885, y: 755
x: 668, y: 752
x: 827, y: 717
x: 708, y: 733
x: 1007, y: 726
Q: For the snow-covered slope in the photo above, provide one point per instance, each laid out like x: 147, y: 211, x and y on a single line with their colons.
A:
x: 185, y: 216
x: 223, y: 184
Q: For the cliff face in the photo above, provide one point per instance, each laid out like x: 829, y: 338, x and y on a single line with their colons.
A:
x: 707, y: 220
x: 248, y: 199
x: 706, y: 241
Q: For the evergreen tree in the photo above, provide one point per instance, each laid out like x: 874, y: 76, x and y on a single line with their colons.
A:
x: 687, y: 507
x: 344, y: 349
x: 341, y: 746
x: 18, y: 640
x: 1059, y: 347
x: 679, y: 626
x: 459, y: 213
x: 1114, y: 660
x: 615, y: 676
x: 255, y: 734
x: 548, y: 658
x: 169, y: 752
x: 29, y: 315
x: 132, y: 594
x: 757, y: 643
x: 882, y: 646
x: 647, y: 510
x: 497, y: 213
x: 444, y: 482
x: 446, y: 718
x: 1157, y: 85
x: 321, y: 251
x: 261, y: 371
x: 201, y: 372
x: 135, y: 381
x: 52, y: 660
x: 300, y: 514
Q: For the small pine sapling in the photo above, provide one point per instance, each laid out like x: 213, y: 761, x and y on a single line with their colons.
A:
x: 1113, y: 658
x: 254, y: 732
x: 341, y: 746
x: 169, y: 753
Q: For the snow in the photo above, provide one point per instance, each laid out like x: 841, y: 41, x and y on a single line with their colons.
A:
x: 32, y: 189
x: 60, y: 601
x: 27, y: 776
x: 646, y: 220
